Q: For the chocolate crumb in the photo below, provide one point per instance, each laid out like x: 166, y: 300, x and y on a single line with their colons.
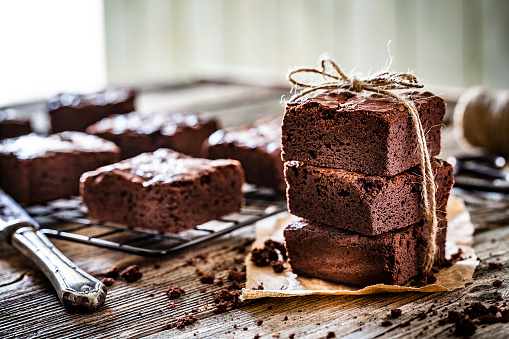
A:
x: 151, y: 294
x: 276, y: 335
x: 405, y: 324
x: 235, y: 275
x: 291, y: 336
x: 108, y: 281
x: 286, y: 318
x: 495, y: 266
x: 465, y: 327
x: 245, y: 328
x: 175, y: 291
x: 221, y: 307
x: 220, y: 282
x: 277, y: 266
x: 422, y: 315
x: 157, y: 265
x: 331, y: 335
x: 269, y: 307
x: 234, y: 286
x: 386, y: 323
x: 259, y: 323
x: 395, y: 313
x: 112, y: 272
x: 497, y: 283
x: 257, y: 336
x: 207, y: 278
x: 131, y: 274
x: 258, y: 288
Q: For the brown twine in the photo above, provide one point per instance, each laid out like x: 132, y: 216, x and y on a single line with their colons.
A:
x: 383, y: 83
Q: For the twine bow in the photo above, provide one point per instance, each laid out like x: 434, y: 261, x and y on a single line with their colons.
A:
x: 383, y: 83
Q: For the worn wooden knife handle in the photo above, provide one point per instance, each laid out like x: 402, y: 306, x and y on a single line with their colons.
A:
x: 76, y: 289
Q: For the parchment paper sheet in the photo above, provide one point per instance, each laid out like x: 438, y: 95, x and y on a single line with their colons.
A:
x: 286, y: 284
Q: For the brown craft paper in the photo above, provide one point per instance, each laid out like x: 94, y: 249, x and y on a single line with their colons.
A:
x: 286, y: 284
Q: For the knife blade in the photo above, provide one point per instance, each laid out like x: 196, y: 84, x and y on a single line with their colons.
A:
x: 77, y: 290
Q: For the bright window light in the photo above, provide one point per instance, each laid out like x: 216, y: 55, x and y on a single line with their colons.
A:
x: 50, y: 46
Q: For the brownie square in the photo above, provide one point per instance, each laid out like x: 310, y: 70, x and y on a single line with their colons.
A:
x: 75, y: 112
x: 361, y: 203
x: 12, y: 125
x: 136, y: 133
x: 368, y: 133
x: 332, y: 254
x: 165, y: 191
x: 258, y: 148
x: 36, y: 169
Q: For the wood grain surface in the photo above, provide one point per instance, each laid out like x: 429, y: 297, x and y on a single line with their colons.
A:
x: 29, y: 307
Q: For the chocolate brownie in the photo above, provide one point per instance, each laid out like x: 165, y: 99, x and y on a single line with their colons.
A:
x: 368, y: 133
x: 136, y: 133
x: 357, y: 202
x: 12, y: 125
x: 75, y: 112
x: 36, y: 169
x: 164, y: 191
x: 258, y: 148
x: 329, y: 253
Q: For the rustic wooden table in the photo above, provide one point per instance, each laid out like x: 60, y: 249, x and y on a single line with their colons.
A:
x: 30, y: 308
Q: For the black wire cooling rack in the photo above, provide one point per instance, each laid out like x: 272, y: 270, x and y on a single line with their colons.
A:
x: 68, y: 220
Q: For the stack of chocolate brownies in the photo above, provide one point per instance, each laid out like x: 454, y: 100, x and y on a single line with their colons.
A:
x: 352, y: 170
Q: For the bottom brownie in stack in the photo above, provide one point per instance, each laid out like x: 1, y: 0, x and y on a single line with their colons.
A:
x: 165, y: 191
x: 332, y: 254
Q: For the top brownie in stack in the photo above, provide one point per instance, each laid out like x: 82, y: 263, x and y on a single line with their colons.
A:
x: 36, y: 169
x: 361, y: 132
x: 136, y: 132
x: 12, y: 125
x: 258, y: 148
x: 74, y: 112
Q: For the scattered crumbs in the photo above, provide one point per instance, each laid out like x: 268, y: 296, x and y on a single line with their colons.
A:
x: 203, y: 290
x: 405, y: 324
x: 465, y: 327
x: 207, y: 278
x: 258, y: 288
x: 175, y: 291
x: 497, y: 283
x: 245, y: 328
x: 220, y: 282
x: 151, y: 294
x: 259, y: 322
x: 112, y: 272
x: 168, y: 325
x: 495, y: 266
x: 108, y: 281
x: 422, y: 315
x: 277, y: 266
x: 257, y: 336
x: 276, y: 335
x: 131, y: 274
x: 286, y: 318
x: 234, y: 274
x: 317, y: 324
x: 291, y: 336
x: 386, y: 323
x: 183, y: 322
x: 330, y: 335
x: 234, y: 286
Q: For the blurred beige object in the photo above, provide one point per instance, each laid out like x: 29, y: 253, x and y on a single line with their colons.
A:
x: 481, y: 119
x: 287, y: 284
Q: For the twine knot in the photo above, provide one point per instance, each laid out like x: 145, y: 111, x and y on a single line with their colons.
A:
x: 383, y: 83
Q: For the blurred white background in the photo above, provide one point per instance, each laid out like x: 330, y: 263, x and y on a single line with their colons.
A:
x: 56, y: 45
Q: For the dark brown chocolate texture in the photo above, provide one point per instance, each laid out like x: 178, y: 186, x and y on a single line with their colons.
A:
x: 74, y: 112
x: 332, y: 254
x: 258, y: 148
x: 136, y: 133
x: 36, y: 169
x: 366, y: 132
x: 165, y: 191
x: 13, y: 125
x: 368, y: 205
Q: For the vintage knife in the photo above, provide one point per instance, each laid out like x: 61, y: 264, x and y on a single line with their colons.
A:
x: 76, y: 289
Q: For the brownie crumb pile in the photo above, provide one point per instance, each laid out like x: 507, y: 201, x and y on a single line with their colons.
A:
x: 131, y: 274
x: 273, y: 254
x: 175, y: 292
